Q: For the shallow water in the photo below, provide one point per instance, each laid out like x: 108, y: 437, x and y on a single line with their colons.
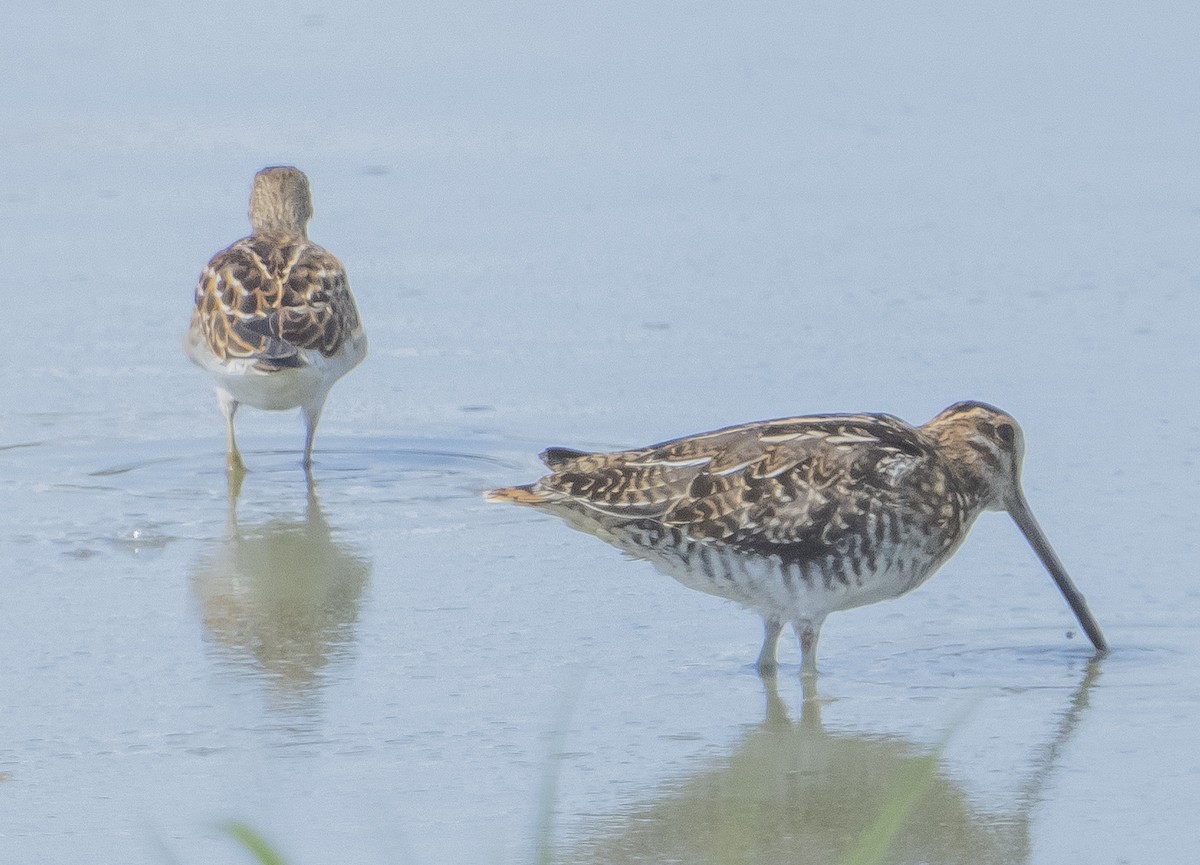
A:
x: 592, y: 227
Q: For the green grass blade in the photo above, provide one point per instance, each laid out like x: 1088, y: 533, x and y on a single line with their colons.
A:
x: 875, y: 842
x: 254, y: 842
x: 913, y: 783
x: 544, y: 830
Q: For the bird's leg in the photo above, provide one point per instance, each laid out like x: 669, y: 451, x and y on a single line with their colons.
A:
x: 772, y: 628
x: 233, y: 457
x: 808, y: 632
x: 312, y: 416
x: 234, y: 478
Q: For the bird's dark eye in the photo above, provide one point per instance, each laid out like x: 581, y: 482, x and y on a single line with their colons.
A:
x: 1005, y: 432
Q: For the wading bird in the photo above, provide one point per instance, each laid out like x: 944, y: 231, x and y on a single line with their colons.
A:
x: 800, y: 517
x: 274, y: 323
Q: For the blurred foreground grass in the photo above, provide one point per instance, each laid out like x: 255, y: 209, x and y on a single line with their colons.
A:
x: 870, y: 848
x: 254, y: 842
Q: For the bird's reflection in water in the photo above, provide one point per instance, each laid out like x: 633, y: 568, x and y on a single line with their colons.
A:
x: 795, y: 793
x: 282, y: 597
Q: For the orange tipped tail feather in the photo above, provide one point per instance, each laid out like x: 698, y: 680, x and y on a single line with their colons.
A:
x: 523, y: 495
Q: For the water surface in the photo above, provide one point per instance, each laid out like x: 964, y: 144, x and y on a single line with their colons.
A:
x: 593, y: 227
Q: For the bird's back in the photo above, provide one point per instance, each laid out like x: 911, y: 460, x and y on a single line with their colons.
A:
x: 272, y: 299
x: 852, y: 488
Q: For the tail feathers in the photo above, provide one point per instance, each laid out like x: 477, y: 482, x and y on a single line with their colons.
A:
x: 523, y: 495
x: 534, y: 494
x: 557, y: 457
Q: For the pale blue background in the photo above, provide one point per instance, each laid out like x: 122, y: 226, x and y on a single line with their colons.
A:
x: 594, y: 225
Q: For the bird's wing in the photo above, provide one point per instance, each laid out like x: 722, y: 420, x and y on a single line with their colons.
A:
x: 791, y: 484
x: 268, y: 299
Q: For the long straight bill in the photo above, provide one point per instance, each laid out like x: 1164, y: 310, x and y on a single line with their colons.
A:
x: 1023, y: 517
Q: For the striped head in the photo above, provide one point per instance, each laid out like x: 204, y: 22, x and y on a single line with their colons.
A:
x: 281, y: 202
x: 985, y: 448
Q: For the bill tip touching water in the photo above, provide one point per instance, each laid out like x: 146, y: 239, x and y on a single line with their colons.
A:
x: 799, y: 517
x: 274, y: 321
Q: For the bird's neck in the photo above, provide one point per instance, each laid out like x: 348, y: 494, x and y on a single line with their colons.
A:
x: 975, y: 482
x: 290, y: 230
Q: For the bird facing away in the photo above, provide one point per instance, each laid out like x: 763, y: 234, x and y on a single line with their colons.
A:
x: 274, y: 323
x: 799, y: 517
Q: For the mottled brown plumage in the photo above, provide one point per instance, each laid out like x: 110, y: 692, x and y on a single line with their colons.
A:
x: 802, y: 516
x: 271, y: 296
x: 274, y: 321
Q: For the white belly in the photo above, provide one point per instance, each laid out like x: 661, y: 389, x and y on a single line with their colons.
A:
x: 282, y: 389
x: 770, y: 586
